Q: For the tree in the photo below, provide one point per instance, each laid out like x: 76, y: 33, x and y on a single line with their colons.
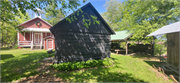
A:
x: 50, y: 17
x: 13, y: 12
x: 114, y: 13
x: 15, y: 7
x: 142, y: 17
x: 8, y: 34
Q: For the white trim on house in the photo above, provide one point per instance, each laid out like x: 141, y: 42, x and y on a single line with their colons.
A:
x: 30, y: 35
x: 48, y: 37
x: 36, y: 29
x: 24, y: 35
x: 18, y: 38
x: 33, y: 19
x: 37, y: 38
x: 41, y: 40
x: 47, y: 43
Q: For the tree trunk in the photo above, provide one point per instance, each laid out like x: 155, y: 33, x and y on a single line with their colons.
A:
x: 152, y: 47
x: 15, y: 41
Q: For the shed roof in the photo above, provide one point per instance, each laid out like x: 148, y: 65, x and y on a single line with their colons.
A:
x: 174, y: 27
x: 121, y: 35
x: 78, y: 26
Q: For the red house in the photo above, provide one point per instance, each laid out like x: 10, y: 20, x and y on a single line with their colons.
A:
x: 36, y: 34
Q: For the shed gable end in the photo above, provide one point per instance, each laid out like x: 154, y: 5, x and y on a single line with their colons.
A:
x: 78, y: 20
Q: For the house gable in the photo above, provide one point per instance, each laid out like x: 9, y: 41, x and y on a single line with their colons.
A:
x: 32, y: 23
x: 78, y: 25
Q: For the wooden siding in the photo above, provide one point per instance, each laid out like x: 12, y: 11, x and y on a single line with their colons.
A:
x: 32, y: 24
x: 76, y: 42
x: 173, y: 49
x: 78, y: 25
x: 81, y: 46
x: 45, y: 43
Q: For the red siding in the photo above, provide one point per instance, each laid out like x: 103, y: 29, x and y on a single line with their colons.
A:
x: 45, y: 43
x: 32, y: 24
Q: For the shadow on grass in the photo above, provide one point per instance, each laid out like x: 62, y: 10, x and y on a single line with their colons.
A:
x: 21, y: 66
x: 153, y: 62
x: 98, y: 75
x: 6, y: 56
x: 5, y: 49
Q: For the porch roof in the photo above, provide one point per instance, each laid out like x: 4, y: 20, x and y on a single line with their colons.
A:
x: 36, y: 29
x: 120, y: 35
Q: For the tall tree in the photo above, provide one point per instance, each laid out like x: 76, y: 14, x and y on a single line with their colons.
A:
x: 8, y: 34
x: 15, y: 7
x: 142, y: 17
x: 54, y: 18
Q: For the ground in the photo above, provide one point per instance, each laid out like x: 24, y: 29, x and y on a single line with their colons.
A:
x: 25, y: 65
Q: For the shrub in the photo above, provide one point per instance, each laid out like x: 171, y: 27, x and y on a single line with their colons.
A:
x: 69, y: 66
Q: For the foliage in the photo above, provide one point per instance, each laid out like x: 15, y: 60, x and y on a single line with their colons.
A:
x: 69, y: 66
x: 9, y: 30
x: 13, y: 12
x: 141, y: 17
x: 19, y: 63
x: 51, y: 17
x: 123, y: 45
x: 159, y: 48
x: 87, y: 22
x: 11, y: 8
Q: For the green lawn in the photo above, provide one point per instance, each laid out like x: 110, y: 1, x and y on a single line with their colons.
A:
x: 18, y: 63
x: 127, y: 69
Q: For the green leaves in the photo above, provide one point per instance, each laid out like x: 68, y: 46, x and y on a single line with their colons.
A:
x: 79, y: 65
x: 141, y: 17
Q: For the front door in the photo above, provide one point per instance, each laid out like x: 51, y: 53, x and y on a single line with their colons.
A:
x: 37, y: 38
x: 49, y: 44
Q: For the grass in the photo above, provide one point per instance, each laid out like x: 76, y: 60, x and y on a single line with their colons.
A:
x: 18, y: 63
x: 126, y: 69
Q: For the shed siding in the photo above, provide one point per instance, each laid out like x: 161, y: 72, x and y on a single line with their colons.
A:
x: 173, y: 49
x: 81, y: 46
x: 76, y: 42
x: 78, y: 25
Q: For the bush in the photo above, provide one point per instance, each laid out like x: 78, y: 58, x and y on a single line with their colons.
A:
x: 69, y: 66
x: 159, y: 49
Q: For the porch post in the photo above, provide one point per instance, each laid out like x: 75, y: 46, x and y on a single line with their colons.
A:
x: 41, y: 40
x: 24, y: 35
x: 32, y: 42
x: 18, y: 37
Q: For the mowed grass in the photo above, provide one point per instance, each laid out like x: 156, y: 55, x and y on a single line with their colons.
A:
x: 18, y: 63
x: 126, y: 69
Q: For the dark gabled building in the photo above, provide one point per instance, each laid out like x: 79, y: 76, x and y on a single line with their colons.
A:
x: 76, y: 41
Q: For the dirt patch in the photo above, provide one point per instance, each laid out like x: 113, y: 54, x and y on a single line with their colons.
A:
x: 159, y: 74
x: 46, y: 74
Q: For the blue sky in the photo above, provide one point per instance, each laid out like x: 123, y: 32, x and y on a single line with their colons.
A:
x: 98, y: 4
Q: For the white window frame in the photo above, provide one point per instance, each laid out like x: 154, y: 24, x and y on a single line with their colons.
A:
x: 38, y: 38
x: 47, y: 43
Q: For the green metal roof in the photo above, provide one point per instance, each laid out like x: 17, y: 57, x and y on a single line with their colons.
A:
x: 121, y: 35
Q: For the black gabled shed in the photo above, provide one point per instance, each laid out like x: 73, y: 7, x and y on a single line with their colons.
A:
x: 76, y: 42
